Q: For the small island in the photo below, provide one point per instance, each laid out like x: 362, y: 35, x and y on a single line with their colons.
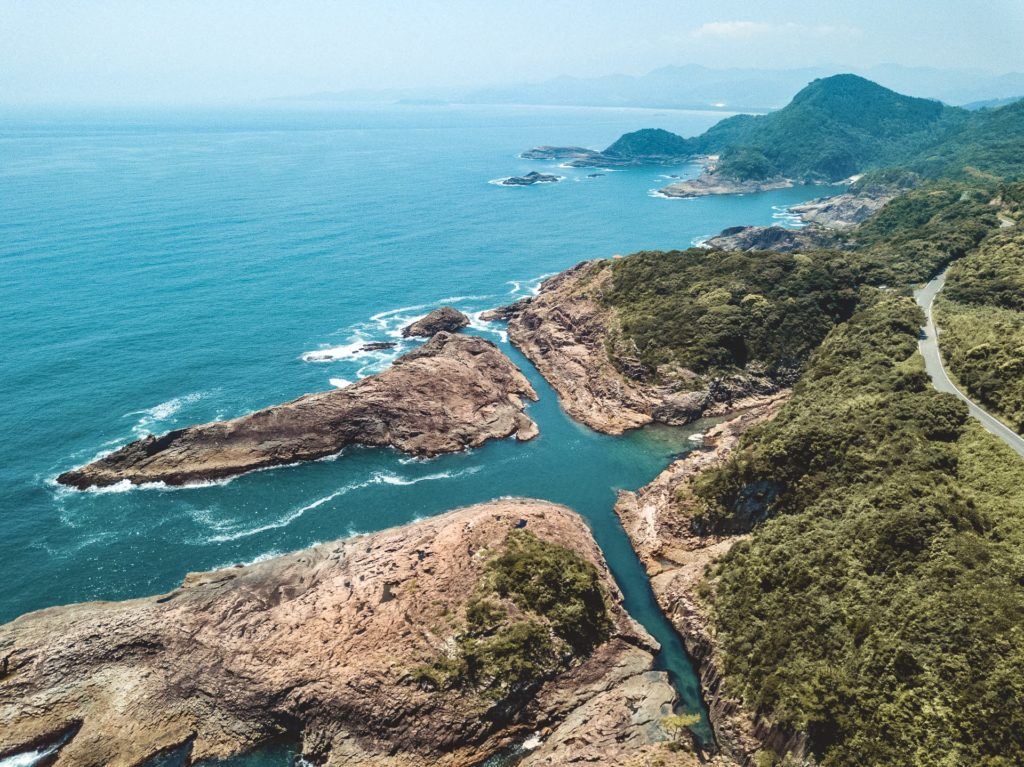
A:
x: 531, y: 178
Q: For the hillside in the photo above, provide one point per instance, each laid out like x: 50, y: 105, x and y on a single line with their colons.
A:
x: 834, y: 128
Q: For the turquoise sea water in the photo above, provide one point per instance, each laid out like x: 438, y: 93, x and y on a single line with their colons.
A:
x: 166, y: 269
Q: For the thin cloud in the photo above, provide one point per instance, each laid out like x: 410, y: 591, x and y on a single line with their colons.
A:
x: 745, y: 30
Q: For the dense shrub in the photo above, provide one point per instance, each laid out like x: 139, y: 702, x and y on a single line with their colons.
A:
x: 879, y: 606
x: 539, y: 608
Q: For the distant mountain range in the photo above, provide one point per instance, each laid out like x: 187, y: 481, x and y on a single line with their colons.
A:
x: 697, y: 87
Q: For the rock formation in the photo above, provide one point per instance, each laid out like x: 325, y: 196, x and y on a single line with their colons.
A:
x: 327, y: 645
x: 710, y: 182
x: 452, y: 393
x: 676, y: 554
x: 775, y: 238
x: 845, y: 211
x: 533, y: 177
x: 567, y: 332
x: 558, y: 153
x: 443, y: 319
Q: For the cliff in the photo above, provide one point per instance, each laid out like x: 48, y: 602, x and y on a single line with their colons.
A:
x: 573, y: 337
x: 454, y: 392
x: 677, y: 554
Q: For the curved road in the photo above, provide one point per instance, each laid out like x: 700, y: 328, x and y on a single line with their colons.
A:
x: 929, y: 347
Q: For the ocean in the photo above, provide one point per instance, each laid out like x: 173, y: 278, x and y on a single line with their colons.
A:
x: 163, y: 269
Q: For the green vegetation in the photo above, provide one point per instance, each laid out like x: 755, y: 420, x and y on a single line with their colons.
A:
x: 539, y: 607
x: 917, y: 234
x: 841, y: 125
x: 981, y: 316
x: 833, y: 128
x: 710, y: 311
x: 879, y: 605
x: 649, y: 142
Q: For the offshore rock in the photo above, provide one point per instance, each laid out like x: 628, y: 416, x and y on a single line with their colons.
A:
x: 454, y: 392
x: 533, y: 177
x: 446, y: 318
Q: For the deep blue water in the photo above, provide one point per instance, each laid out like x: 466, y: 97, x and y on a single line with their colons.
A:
x: 160, y: 270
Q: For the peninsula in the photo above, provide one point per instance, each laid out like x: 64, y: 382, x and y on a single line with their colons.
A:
x: 452, y: 393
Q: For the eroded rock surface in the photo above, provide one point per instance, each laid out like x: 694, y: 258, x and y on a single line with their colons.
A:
x: 775, y: 238
x: 677, y: 554
x: 444, y: 319
x: 844, y: 211
x: 711, y: 183
x: 454, y: 392
x: 569, y: 333
x: 325, y: 644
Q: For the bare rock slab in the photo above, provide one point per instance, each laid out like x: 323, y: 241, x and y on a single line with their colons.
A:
x: 324, y: 645
x: 454, y: 392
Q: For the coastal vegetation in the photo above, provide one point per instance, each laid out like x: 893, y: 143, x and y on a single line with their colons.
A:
x: 981, y: 316
x: 540, y: 605
x: 878, y: 605
x: 716, y: 311
x: 843, y: 125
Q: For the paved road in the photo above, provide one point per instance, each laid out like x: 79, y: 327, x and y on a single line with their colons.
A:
x: 940, y: 379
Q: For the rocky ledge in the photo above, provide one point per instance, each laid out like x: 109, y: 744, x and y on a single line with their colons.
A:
x: 711, y: 183
x: 568, y: 332
x: 445, y: 318
x: 533, y: 177
x: 775, y: 238
x: 845, y: 211
x: 339, y: 645
x: 677, y: 555
x: 452, y: 393
x: 558, y: 153
x: 577, y: 157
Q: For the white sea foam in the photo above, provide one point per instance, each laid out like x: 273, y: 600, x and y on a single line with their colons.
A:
x: 333, y: 353
x: 28, y: 758
x: 787, y: 217
x: 378, y: 478
x: 533, y: 742
x: 339, y: 383
x: 162, y: 412
x: 483, y: 326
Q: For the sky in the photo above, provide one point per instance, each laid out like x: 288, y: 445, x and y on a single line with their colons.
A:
x: 229, y: 51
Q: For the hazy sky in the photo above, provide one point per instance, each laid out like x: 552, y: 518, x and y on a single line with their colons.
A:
x: 109, y: 51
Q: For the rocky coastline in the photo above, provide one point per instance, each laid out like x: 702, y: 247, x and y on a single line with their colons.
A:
x: 845, y: 211
x: 712, y: 183
x: 452, y: 393
x: 326, y: 645
x: 775, y: 238
x: 677, y: 555
x: 571, y: 336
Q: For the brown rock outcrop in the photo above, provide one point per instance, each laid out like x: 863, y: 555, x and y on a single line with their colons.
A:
x: 452, y: 393
x: 324, y: 644
x: 444, y: 319
x: 568, y: 332
x: 677, y: 555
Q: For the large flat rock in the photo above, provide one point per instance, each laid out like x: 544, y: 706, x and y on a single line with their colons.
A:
x: 454, y: 392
